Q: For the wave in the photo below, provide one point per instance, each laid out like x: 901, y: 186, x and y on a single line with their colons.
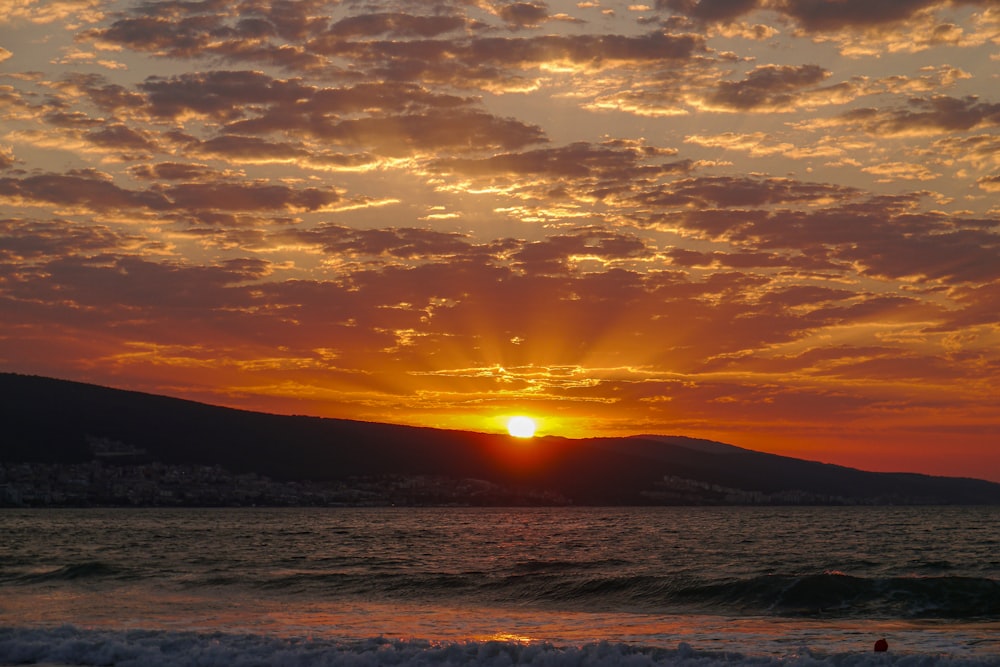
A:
x: 828, y: 594
x: 68, y: 645
x: 838, y: 594
x: 567, y: 565
x: 75, y: 572
x: 566, y: 585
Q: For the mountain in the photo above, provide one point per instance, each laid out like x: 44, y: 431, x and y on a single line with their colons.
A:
x: 49, y: 421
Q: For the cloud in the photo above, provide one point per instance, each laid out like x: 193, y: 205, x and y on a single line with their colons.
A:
x: 812, y: 16
x: 218, y: 95
x: 441, y: 47
x: 249, y: 197
x: 703, y: 86
x: 710, y: 10
x: 93, y: 191
x: 756, y: 144
x: 561, y: 254
x: 50, y: 11
x: 406, y: 243
x: 575, y: 161
x: 756, y: 31
x: 87, y: 190
x: 204, y: 34
x: 459, y: 131
x: 724, y: 191
x: 7, y: 158
x: 173, y: 171
x: 394, y: 119
x: 823, y: 16
x: 139, y: 283
x: 766, y: 88
x: 859, y: 28
x: 573, y: 180
x: 394, y: 24
x: 989, y: 183
x: 250, y: 150
x: 120, y: 137
x: 965, y: 255
x: 592, y: 51
x: 499, y: 64
x: 926, y: 116
x: 26, y: 240
x: 740, y: 260
x: 524, y: 14
x: 880, y: 236
x: 895, y: 171
x: 981, y: 150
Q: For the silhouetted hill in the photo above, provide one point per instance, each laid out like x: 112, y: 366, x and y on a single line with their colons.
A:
x: 57, y: 421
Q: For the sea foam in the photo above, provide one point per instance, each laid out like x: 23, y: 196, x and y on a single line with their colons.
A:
x: 68, y: 645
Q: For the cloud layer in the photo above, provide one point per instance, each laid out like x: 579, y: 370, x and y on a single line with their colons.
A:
x: 770, y: 222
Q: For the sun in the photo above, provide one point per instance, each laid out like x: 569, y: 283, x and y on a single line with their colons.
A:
x: 521, y: 427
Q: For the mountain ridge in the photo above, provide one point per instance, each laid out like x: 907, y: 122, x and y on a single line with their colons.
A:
x: 634, y: 470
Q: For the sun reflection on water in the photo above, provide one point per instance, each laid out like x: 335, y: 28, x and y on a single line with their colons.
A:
x: 505, y: 637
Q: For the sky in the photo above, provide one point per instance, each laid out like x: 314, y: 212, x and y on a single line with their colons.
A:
x: 772, y: 223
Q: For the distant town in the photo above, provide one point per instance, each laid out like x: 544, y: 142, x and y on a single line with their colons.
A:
x: 97, y: 484
x: 121, y: 476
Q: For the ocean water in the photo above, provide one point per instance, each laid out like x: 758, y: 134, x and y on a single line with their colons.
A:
x: 558, y: 587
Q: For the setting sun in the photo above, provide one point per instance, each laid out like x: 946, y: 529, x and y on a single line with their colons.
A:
x: 521, y: 427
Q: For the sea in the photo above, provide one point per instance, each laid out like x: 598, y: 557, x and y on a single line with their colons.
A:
x: 499, y: 587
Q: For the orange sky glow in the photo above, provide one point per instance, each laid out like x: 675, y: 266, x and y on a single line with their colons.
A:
x: 772, y: 223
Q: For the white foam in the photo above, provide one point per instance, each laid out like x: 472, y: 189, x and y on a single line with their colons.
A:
x: 68, y: 645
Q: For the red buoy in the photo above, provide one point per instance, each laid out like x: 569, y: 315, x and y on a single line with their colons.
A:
x: 881, y: 646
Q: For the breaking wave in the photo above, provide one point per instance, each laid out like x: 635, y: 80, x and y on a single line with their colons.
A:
x: 68, y: 645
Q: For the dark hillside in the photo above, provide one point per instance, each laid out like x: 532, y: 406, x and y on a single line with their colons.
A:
x: 737, y: 468
x: 55, y: 421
